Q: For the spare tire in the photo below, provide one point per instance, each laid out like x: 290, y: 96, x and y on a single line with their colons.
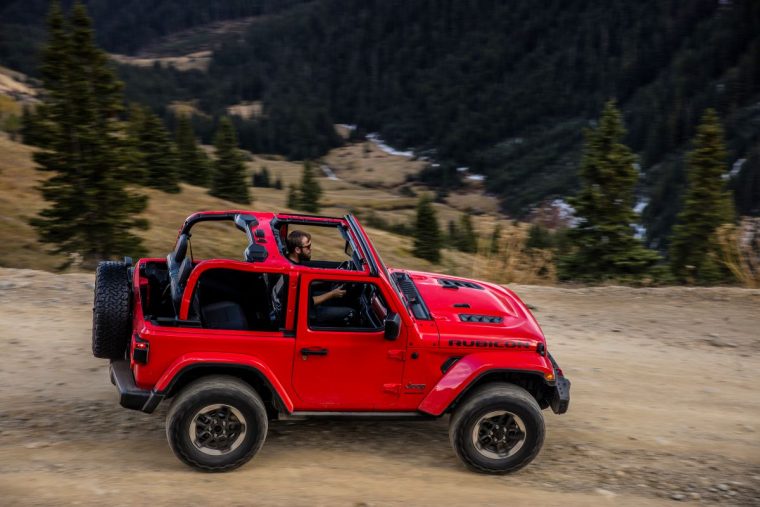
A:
x: 111, y: 315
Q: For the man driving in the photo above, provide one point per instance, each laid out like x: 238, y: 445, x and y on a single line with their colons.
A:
x: 299, y: 251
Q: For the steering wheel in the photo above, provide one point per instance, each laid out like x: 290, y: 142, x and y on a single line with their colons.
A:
x: 350, y: 288
x: 347, y: 265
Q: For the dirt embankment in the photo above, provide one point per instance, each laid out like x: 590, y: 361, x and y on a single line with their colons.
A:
x: 664, y: 408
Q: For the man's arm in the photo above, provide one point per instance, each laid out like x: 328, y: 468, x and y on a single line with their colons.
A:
x: 337, y: 292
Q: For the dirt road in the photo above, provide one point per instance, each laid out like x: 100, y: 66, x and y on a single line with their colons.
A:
x: 665, y: 408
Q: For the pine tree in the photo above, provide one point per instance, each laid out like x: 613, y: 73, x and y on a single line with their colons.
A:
x: 467, y: 241
x: 229, y: 180
x: 427, y: 236
x: 193, y: 164
x: 29, y: 127
x: 264, y: 175
x: 136, y: 158
x: 310, y: 190
x: 495, y: 239
x: 158, y: 154
x: 261, y: 178
x: 453, y: 232
x: 293, y: 201
x: 694, y: 252
x: 91, y: 211
x: 603, y: 243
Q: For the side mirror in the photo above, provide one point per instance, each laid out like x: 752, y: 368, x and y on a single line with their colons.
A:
x: 392, y: 326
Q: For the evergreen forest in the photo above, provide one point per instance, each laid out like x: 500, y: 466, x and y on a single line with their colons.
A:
x: 506, y: 88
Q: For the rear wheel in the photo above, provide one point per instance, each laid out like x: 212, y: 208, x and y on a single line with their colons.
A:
x: 216, y: 424
x: 111, y: 313
x: 498, y: 429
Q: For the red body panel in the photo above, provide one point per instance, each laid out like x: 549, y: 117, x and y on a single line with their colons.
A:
x: 472, y: 366
x: 362, y: 371
x: 188, y: 360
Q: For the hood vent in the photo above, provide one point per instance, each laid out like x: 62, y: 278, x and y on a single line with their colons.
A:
x: 449, y: 283
x: 418, y: 307
x: 480, y: 319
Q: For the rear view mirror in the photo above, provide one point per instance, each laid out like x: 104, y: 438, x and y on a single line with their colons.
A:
x: 392, y: 326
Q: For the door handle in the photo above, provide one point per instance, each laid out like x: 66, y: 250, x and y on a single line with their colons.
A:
x: 314, y: 351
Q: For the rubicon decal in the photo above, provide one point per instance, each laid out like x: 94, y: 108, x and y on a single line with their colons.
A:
x: 491, y: 344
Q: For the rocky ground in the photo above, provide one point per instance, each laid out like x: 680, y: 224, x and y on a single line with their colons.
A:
x: 665, y: 409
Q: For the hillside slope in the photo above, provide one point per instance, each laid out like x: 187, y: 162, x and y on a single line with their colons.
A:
x: 20, y: 201
x: 505, y: 88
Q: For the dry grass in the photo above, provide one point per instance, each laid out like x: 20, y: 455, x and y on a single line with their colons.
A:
x: 511, y: 261
x: 246, y: 110
x: 9, y: 107
x: 20, y: 201
x: 366, y: 164
x: 740, y: 250
x: 12, y: 83
x: 193, y: 61
x: 180, y: 108
x: 475, y: 201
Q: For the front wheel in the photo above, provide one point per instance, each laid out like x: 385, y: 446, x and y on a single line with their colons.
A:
x: 216, y: 424
x: 498, y: 429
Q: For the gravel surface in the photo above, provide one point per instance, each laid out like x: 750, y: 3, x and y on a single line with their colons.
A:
x: 664, y: 409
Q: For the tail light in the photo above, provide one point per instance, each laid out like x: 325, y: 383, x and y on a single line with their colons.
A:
x: 140, y: 350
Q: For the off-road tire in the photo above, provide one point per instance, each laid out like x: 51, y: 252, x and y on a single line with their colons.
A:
x: 494, y: 398
x: 211, y: 391
x: 111, y: 315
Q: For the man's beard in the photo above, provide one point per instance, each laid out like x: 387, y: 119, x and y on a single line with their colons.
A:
x: 303, y: 256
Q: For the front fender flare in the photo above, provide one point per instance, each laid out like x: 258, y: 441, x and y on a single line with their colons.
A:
x: 467, y: 370
x: 189, y: 361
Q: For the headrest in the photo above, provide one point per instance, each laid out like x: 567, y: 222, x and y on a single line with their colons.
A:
x: 184, y: 270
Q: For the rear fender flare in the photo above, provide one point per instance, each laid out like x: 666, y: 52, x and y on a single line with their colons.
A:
x: 190, y: 362
x: 467, y: 371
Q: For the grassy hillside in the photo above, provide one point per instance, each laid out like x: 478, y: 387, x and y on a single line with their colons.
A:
x: 20, y: 201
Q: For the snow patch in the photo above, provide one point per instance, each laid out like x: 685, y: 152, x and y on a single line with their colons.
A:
x: 641, y: 205
x: 328, y: 172
x: 375, y: 138
x: 566, y: 212
x: 475, y: 177
x: 735, y: 169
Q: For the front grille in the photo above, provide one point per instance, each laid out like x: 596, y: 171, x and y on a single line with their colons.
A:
x: 480, y: 319
x: 449, y: 283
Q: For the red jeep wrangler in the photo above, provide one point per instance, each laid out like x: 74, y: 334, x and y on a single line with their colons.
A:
x: 237, y: 343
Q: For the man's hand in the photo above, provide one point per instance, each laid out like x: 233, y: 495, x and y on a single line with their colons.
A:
x: 337, y: 292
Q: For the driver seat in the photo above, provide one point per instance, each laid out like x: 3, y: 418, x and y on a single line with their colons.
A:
x: 180, y: 267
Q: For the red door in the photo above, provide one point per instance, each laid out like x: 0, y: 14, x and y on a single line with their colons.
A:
x: 348, y: 366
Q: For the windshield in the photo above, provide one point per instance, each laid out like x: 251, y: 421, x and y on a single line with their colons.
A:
x: 357, y: 231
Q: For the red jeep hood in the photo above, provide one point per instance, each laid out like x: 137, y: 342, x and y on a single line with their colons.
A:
x: 465, y: 309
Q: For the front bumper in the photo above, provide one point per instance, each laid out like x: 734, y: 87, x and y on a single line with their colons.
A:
x: 560, y: 399
x: 131, y: 396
